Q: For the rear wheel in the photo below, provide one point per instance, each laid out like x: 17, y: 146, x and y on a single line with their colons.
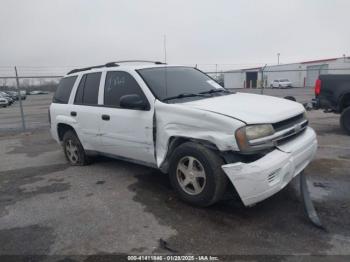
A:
x: 345, y: 120
x: 74, y: 150
x: 196, y: 174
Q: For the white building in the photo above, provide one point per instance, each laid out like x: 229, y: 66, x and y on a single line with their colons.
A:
x: 303, y: 74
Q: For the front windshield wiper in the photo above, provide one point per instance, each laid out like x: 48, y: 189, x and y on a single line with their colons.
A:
x: 211, y: 91
x: 183, y: 95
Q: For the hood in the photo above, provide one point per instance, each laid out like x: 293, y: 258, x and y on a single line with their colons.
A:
x: 250, y: 108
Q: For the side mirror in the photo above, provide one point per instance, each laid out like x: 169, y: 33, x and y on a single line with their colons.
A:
x: 133, y: 102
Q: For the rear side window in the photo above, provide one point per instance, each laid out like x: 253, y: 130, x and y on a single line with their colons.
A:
x: 119, y: 84
x: 80, y: 91
x: 87, y: 93
x: 63, y: 90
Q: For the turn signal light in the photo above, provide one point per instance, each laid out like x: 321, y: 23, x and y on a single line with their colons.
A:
x: 318, y: 87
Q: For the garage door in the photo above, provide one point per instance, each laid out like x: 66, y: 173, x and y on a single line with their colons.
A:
x: 313, y: 72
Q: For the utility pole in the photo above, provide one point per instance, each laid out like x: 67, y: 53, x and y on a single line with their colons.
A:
x: 278, y: 58
x: 20, y: 101
x: 216, y: 72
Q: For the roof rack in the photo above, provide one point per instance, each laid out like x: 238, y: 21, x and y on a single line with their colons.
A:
x: 133, y: 61
x: 84, y: 69
x: 112, y: 64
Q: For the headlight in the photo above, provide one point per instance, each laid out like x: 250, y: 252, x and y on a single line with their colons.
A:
x: 251, y: 132
x: 304, y: 115
x: 258, y: 131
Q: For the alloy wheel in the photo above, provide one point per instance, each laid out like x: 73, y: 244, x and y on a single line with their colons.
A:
x: 72, y: 151
x: 191, y: 175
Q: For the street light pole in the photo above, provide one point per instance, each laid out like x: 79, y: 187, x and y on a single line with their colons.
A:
x: 278, y: 58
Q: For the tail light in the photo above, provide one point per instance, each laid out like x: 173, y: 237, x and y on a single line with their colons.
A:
x: 318, y: 87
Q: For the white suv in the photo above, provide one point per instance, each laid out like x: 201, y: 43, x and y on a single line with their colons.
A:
x: 281, y: 83
x: 179, y: 120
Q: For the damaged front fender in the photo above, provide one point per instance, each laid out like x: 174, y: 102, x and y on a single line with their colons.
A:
x: 177, y: 120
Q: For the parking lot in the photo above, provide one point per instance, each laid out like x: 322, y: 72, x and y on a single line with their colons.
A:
x: 113, y: 207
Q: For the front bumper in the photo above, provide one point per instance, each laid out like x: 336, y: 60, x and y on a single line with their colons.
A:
x: 263, y: 178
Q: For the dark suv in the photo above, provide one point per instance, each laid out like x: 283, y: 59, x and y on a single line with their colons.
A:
x: 333, y: 94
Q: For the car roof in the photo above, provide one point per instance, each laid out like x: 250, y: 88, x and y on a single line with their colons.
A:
x: 126, y: 67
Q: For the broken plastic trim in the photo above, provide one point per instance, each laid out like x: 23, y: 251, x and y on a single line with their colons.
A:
x: 308, y: 205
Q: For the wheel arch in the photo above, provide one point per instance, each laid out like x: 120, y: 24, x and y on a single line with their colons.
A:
x: 344, y: 102
x: 62, y: 128
x: 176, y: 141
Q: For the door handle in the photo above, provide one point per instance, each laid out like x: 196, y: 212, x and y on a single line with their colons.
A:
x: 105, y: 117
x: 73, y: 113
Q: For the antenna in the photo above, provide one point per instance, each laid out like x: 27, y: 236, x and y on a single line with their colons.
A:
x: 164, y: 44
x: 165, y: 69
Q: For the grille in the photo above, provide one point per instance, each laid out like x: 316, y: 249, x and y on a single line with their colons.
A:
x: 288, y: 122
x: 289, y: 138
x: 292, y: 136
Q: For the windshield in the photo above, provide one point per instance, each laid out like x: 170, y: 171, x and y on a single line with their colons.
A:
x: 284, y: 80
x: 168, y: 82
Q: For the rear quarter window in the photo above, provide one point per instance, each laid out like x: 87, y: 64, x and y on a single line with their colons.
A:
x: 64, y: 89
x: 87, y: 93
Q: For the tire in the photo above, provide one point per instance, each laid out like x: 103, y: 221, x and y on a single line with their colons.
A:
x: 212, y: 185
x: 74, y: 150
x: 345, y: 120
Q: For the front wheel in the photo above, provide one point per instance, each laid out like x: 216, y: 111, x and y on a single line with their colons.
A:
x: 345, y: 120
x: 196, y: 174
x: 74, y: 150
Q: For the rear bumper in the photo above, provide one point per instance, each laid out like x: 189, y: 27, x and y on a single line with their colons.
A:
x: 263, y: 178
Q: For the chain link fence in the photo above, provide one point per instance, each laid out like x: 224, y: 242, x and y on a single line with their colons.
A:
x: 29, y: 91
x: 39, y: 84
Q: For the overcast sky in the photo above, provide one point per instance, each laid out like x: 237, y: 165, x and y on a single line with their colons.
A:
x: 233, y: 33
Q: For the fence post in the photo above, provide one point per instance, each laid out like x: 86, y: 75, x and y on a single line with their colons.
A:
x: 20, y: 101
x: 262, y: 80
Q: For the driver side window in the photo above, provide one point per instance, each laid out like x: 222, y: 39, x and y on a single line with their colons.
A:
x: 118, y: 84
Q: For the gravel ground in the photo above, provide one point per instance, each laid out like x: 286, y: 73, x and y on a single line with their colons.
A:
x: 113, y: 207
